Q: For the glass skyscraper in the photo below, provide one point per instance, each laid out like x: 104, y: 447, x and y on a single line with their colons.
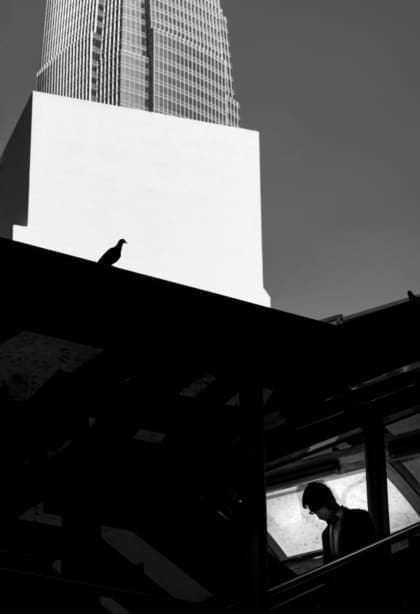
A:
x: 168, y: 56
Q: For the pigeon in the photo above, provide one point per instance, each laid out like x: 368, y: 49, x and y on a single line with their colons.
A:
x: 112, y: 254
x: 413, y: 297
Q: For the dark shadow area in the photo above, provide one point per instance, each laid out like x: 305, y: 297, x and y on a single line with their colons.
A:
x: 151, y: 433
x: 14, y: 175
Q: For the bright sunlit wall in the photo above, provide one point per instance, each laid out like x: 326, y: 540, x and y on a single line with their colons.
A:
x: 184, y: 194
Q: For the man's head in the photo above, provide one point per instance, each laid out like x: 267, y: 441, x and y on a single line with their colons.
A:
x: 318, y: 498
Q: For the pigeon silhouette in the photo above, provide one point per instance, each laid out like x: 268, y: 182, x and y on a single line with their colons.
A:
x: 113, y: 254
x: 413, y: 297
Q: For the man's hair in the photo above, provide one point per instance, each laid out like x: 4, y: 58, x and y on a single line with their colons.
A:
x: 317, y: 494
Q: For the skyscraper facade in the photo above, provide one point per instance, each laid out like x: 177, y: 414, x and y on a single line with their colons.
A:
x: 168, y: 56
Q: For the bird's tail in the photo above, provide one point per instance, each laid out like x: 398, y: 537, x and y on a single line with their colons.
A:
x: 413, y: 297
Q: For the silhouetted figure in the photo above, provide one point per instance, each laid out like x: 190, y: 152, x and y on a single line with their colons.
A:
x: 347, y: 530
x: 113, y: 254
x: 413, y: 298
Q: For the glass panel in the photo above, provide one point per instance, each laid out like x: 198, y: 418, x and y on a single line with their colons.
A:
x: 402, y: 434
x: 294, y: 528
x: 298, y: 532
x: 413, y: 467
x: 295, y: 533
x: 401, y: 513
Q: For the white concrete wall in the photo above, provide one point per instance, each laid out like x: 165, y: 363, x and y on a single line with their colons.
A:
x: 184, y: 194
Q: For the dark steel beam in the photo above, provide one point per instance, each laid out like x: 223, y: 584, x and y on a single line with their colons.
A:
x: 253, y: 498
x: 376, y: 473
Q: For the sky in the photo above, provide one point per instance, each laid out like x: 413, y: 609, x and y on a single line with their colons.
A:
x: 333, y: 87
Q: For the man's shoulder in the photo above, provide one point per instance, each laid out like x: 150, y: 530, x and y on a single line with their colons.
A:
x: 355, y: 511
x: 357, y: 521
x: 356, y: 514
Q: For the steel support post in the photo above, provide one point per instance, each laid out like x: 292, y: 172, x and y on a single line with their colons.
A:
x: 376, y: 473
x: 253, y: 497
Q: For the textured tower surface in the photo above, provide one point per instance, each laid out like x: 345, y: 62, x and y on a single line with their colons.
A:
x: 168, y: 56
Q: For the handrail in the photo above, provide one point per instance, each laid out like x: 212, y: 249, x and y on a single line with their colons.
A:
x: 115, y: 591
x: 321, y: 572
x: 158, y: 600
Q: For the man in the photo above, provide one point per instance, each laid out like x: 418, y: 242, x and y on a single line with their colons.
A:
x: 347, y: 530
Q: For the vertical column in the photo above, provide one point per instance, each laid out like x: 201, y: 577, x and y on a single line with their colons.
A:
x: 253, y: 497
x: 376, y: 473
x: 81, y: 524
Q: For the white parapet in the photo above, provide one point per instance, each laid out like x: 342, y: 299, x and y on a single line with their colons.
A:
x: 184, y: 194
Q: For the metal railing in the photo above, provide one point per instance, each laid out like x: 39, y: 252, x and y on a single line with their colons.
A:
x: 317, y: 579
